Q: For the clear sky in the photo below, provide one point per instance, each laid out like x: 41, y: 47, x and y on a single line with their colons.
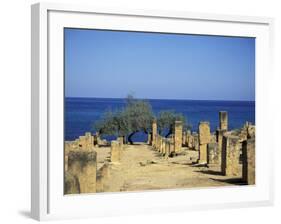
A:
x: 112, y: 64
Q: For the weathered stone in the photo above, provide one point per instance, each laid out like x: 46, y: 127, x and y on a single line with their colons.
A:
x: 213, y: 156
x: 204, y: 132
x: 115, y: 151
x: 71, y: 184
x: 230, y: 156
x: 149, y: 138
x: 172, y: 145
x: 204, y: 139
x: 167, y: 148
x: 249, y: 167
x: 178, y: 136
x: 163, y: 148
x: 83, y: 166
x: 154, y: 132
x: 202, y: 153
x: 184, y: 134
x: 223, y: 120
x: 219, y: 136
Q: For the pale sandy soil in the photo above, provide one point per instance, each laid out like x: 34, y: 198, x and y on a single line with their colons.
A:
x: 142, y: 168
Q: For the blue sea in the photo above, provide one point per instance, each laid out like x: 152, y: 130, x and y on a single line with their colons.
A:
x: 81, y: 113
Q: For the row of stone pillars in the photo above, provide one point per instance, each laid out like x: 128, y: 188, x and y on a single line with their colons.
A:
x: 226, y: 150
x: 81, y: 163
x: 169, y: 145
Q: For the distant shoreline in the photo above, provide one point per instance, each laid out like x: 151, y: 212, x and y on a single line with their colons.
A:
x: 113, y: 98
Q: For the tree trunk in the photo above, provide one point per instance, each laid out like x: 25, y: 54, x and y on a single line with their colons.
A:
x: 130, y: 137
x: 170, y: 132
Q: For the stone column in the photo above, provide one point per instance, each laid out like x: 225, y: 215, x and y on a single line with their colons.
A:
x: 213, y: 157
x: 115, y: 151
x: 154, y: 132
x: 219, y: 137
x: 149, y: 138
x: 172, y: 145
x: 223, y: 120
x: 204, y: 139
x: 163, y: 148
x: 83, y: 166
x: 249, y: 166
x: 178, y: 136
x: 184, y: 134
x: 230, y: 156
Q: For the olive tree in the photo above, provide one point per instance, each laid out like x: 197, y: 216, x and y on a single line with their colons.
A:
x: 166, y: 121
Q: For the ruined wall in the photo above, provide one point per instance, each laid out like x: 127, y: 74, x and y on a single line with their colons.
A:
x: 83, y: 166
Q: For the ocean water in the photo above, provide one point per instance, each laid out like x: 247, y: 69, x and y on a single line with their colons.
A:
x: 81, y: 113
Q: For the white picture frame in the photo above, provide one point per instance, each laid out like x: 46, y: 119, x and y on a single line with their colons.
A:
x: 48, y: 201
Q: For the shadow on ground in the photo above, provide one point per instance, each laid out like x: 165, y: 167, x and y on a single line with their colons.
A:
x: 234, y: 181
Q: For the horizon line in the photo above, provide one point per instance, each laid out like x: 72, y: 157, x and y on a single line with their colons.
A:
x: 91, y: 97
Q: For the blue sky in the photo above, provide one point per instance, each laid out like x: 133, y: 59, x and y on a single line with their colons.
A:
x: 112, y: 64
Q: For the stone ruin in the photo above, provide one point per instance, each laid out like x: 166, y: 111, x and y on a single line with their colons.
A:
x: 80, y: 163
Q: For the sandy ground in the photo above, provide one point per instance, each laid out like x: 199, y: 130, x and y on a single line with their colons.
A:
x: 142, y: 168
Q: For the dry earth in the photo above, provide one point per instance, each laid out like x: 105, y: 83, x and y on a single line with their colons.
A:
x: 142, y: 168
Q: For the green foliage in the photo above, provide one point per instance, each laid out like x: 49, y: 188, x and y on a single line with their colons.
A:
x: 136, y: 116
x: 166, y: 121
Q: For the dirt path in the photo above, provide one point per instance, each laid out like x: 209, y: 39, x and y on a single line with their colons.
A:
x: 142, y: 168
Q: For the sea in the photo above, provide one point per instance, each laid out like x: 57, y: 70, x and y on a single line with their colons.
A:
x: 82, y: 113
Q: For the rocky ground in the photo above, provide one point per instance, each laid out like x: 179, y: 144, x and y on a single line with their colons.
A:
x: 142, y: 168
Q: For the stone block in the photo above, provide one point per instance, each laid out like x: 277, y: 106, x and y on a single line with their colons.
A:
x: 83, y: 166
x: 249, y: 166
x: 213, y: 156
x: 230, y: 155
x: 154, y: 132
x: 223, y: 120
x: 204, y: 132
x: 178, y: 136
x: 115, y: 151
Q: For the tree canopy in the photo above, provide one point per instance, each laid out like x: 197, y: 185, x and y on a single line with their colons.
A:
x: 135, y: 117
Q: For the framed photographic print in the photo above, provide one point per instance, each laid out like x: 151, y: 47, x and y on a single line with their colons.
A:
x: 148, y: 111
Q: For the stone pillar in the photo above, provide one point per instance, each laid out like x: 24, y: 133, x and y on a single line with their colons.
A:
x: 149, y: 138
x: 167, y: 148
x: 219, y: 138
x: 184, y: 138
x: 115, y: 151
x: 230, y: 156
x: 163, y: 148
x: 172, y: 145
x: 204, y: 139
x: 178, y: 136
x: 154, y: 132
x: 83, y: 166
x: 213, y: 157
x: 195, y: 141
x: 223, y: 120
x: 249, y: 166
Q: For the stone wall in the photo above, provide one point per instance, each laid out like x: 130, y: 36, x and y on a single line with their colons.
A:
x: 82, y: 166
x: 249, y: 166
